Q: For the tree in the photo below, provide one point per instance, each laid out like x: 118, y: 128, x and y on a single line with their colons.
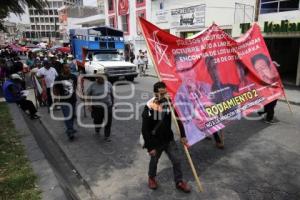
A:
x: 17, y: 7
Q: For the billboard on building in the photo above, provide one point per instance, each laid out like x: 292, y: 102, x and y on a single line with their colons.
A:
x: 188, y: 16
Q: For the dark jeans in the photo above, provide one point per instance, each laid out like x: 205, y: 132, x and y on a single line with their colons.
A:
x: 27, y: 105
x: 173, y: 154
x: 98, y: 114
x: 49, y: 97
x: 67, y: 111
x: 269, y: 109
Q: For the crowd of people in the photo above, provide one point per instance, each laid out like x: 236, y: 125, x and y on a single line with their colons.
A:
x: 60, y: 80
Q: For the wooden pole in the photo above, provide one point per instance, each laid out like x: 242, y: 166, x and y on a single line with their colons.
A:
x: 288, y: 103
x: 176, y: 124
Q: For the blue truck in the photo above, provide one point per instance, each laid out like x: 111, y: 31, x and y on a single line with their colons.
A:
x: 101, y: 50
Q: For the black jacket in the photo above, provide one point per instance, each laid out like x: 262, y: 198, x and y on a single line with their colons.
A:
x: 163, y: 134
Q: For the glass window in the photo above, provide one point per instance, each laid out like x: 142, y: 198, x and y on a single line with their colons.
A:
x: 31, y: 20
x: 33, y: 27
x: 51, y: 19
x: 124, y: 21
x: 110, y: 5
x: 60, y: 4
x: 38, y: 27
x: 46, y: 19
x: 112, y: 21
x: 288, y: 5
x: 42, y: 20
x: 31, y: 12
x: 50, y: 12
x: 106, y: 57
x: 139, y: 1
x: 55, y: 5
x: 43, y: 27
x: 37, y: 20
x: 36, y: 12
x: 269, y: 7
x: 52, y: 27
x: 55, y: 12
x: 47, y: 27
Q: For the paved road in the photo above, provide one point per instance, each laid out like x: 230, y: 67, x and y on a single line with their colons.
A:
x: 260, y: 161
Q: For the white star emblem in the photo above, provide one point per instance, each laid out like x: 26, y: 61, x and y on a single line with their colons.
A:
x: 160, y: 49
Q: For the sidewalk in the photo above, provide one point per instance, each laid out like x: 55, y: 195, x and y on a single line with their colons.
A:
x: 259, y: 162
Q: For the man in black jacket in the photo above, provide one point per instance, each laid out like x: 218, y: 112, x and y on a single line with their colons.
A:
x: 159, y: 137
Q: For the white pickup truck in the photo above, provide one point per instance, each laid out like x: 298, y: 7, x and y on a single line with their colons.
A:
x: 111, y: 64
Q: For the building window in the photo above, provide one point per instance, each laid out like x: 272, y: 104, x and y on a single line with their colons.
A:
x: 111, y: 6
x: 42, y: 20
x: 140, y: 3
x: 161, y: 4
x: 37, y: 20
x: 32, y: 27
x: 268, y: 6
x: 30, y: 12
x: 243, y: 13
x: 125, y: 23
x: 46, y: 19
x: 31, y: 20
x: 112, y: 21
x: 140, y: 13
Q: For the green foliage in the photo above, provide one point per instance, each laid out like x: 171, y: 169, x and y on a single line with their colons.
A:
x: 17, y: 180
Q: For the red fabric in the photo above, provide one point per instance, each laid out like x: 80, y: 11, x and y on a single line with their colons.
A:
x: 211, y: 70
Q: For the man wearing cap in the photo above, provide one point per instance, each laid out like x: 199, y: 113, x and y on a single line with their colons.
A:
x: 72, y: 64
x: 13, y: 93
x: 100, y: 93
x: 49, y: 74
x: 56, y: 64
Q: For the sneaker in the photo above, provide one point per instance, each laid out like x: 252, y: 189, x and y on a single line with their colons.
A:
x: 152, y: 184
x: 71, y: 137
x: 107, y: 139
x: 270, y: 121
x: 34, y: 117
x: 183, y: 186
x: 220, y: 145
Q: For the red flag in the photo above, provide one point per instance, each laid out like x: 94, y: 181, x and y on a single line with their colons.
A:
x: 213, y: 79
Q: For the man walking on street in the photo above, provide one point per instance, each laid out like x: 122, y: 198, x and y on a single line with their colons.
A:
x: 65, y: 86
x: 159, y: 137
x: 49, y: 74
x: 101, y: 95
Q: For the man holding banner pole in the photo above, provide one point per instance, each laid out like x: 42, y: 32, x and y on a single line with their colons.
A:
x: 159, y: 137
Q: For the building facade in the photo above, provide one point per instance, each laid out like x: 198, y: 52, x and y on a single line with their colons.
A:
x: 279, y: 21
x: 45, y: 26
x: 180, y: 18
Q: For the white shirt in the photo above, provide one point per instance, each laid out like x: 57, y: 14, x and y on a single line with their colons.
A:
x: 49, y: 75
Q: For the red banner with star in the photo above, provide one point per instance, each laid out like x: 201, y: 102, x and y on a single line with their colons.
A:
x: 213, y: 79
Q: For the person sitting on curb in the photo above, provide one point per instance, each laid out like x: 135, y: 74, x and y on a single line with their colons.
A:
x: 159, y: 137
x: 13, y: 94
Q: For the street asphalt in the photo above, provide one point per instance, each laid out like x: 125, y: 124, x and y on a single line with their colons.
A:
x: 260, y: 161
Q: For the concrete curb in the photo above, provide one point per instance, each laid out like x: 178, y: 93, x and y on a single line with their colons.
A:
x: 47, y: 181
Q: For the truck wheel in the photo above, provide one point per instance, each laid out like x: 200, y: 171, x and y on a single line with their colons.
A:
x: 130, y: 78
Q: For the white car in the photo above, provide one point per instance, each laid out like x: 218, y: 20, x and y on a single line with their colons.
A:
x: 112, y: 65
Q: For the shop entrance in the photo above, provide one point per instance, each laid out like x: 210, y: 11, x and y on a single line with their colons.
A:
x: 285, y: 51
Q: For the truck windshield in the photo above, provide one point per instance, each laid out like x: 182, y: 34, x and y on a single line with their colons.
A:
x: 108, y: 57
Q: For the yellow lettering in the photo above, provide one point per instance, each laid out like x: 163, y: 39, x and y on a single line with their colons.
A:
x: 209, y: 112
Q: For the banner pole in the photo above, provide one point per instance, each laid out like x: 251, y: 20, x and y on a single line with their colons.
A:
x: 187, y: 153
x: 288, y: 103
